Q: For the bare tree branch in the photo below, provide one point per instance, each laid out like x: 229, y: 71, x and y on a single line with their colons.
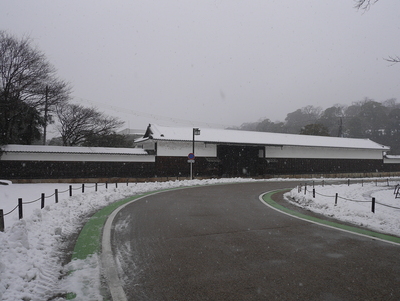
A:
x: 393, y: 59
x: 364, y: 4
x: 77, y: 123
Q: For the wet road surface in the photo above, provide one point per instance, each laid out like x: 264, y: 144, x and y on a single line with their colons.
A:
x: 221, y: 243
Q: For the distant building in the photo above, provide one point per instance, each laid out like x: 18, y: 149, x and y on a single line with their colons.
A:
x: 242, y: 153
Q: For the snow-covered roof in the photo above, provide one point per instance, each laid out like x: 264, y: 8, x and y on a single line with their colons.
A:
x: 16, y: 148
x: 397, y: 157
x: 221, y: 136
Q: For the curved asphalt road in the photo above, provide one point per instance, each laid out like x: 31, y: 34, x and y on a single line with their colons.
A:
x: 221, y: 243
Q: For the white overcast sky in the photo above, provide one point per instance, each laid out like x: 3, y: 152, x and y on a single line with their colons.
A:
x: 213, y: 62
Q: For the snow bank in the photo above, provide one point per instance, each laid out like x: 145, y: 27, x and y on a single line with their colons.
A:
x: 354, y: 204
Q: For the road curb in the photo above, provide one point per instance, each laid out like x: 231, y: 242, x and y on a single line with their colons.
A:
x: 89, y: 241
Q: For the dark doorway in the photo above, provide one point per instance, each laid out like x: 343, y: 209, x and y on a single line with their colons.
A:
x: 240, y: 161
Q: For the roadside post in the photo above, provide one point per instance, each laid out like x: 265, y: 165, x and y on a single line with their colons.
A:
x: 191, y: 161
x: 373, y: 205
x: 20, y: 213
x: 196, y: 131
x: 1, y: 220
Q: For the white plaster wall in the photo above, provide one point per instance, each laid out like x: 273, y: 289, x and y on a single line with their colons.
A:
x: 147, y: 145
x: 182, y: 149
x: 75, y: 157
x: 320, y: 153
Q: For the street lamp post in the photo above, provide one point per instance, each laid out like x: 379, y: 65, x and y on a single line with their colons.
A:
x: 196, y: 131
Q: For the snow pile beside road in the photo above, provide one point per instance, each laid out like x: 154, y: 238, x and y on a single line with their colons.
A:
x: 30, y: 249
x: 354, y: 204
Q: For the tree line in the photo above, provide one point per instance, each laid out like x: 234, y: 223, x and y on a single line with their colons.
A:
x: 370, y: 119
x: 33, y: 97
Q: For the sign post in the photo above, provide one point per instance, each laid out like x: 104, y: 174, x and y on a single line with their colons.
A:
x: 191, y: 161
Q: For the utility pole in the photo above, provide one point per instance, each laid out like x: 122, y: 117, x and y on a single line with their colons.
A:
x: 45, y: 114
x: 196, y: 131
x: 340, y: 132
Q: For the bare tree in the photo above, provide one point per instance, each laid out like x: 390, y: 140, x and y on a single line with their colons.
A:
x: 313, y: 112
x: 23, y: 69
x: 77, y: 123
x: 26, y: 78
x: 55, y: 92
x: 296, y: 120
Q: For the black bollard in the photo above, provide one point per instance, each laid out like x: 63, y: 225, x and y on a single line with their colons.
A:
x: 42, y: 201
x: 373, y: 205
x: 1, y: 220
x: 20, y: 213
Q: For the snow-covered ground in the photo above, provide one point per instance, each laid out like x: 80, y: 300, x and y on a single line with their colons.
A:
x: 354, y: 203
x: 30, y: 249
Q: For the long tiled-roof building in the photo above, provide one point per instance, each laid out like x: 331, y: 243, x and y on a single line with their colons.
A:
x: 220, y: 152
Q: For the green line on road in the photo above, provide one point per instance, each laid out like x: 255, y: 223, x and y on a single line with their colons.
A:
x: 267, y: 198
x: 89, y: 239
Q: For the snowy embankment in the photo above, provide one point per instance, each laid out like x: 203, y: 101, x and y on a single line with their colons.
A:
x: 354, y: 204
x: 31, y: 248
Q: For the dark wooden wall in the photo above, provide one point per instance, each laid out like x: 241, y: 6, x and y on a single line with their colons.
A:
x: 179, y: 167
x: 72, y: 169
x: 299, y: 166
